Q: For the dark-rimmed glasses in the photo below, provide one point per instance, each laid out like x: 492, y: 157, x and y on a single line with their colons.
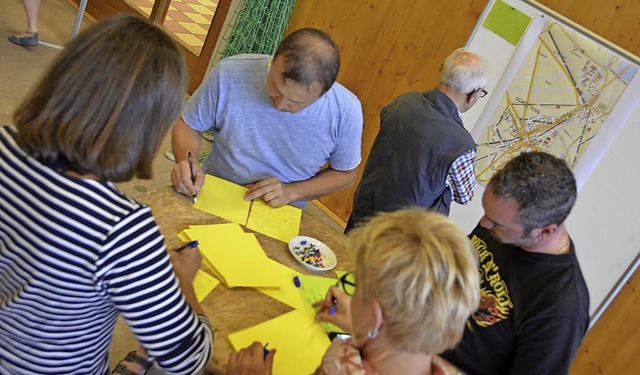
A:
x: 483, y: 92
x: 348, y: 283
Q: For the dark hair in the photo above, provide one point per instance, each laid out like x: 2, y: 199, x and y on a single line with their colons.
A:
x: 542, y: 185
x: 107, y: 101
x: 310, y: 56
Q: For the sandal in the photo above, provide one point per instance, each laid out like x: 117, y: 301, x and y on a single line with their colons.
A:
x: 132, y: 357
x: 25, y: 39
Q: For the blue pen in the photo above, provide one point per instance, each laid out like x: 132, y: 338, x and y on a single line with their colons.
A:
x: 189, y: 245
x: 265, y: 351
x: 334, y: 303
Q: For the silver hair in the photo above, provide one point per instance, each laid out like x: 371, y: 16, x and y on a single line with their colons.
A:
x: 465, y: 71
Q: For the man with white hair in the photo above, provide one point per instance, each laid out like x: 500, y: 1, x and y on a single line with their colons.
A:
x: 423, y: 156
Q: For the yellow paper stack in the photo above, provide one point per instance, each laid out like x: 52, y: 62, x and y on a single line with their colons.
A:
x: 237, y: 260
x: 233, y: 256
x: 226, y: 199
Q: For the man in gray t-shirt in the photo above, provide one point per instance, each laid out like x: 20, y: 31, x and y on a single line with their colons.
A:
x: 276, y: 123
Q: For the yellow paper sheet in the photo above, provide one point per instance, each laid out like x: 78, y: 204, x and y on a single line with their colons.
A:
x: 223, y: 238
x: 299, y: 341
x: 223, y: 198
x: 203, y: 284
x: 286, y: 292
x: 235, y: 256
x: 182, y: 236
x: 314, y: 289
x: 226, y: 238
x: 282, y: 223
x: 245, y: 272
x: 233, y: 228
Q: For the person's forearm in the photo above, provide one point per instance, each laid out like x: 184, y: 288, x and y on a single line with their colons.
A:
x: 325, y: 182
x: 184, y: 140
x: 190, y: 296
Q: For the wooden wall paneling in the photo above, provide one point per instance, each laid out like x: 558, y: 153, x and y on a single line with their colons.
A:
x: 611, y: 346
x: 387, y: 48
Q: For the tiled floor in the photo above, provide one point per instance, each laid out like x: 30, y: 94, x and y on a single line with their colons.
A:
x: 188, y: 20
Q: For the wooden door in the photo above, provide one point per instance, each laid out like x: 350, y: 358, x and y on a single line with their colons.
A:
x: 197, y: 61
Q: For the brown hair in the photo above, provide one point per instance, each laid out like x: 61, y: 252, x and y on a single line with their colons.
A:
x: 107, y: 101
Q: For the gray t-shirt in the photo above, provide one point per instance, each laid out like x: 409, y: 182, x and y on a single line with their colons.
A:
x: 253, y: 140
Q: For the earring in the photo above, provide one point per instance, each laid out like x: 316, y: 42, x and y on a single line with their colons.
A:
x: 540, y: 238
x: 373, y: 333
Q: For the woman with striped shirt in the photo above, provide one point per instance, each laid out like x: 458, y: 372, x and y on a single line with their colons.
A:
x: 75, y: 251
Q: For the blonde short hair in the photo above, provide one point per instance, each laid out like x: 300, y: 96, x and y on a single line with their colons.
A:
x: 423, y: 271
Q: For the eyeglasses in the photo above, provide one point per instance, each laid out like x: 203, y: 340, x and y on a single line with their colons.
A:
x: 483, y: 93
x: 348, y: 283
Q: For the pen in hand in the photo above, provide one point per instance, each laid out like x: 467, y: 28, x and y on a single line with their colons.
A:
x: 189, y: 245
x: 334, y: 304
x: 193, y: 175
x: 265, y: 351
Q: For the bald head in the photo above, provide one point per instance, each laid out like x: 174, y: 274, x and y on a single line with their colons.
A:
x: 310, y: 56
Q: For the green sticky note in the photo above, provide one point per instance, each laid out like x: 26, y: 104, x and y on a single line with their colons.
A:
x: 506, y: 21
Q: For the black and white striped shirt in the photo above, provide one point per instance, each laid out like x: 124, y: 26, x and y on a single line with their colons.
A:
x: 74, y: 253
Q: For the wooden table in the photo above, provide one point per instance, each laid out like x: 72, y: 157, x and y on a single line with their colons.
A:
x: 230, y: 310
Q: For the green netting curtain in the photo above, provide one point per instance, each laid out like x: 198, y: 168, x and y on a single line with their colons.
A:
x: 256, y: 26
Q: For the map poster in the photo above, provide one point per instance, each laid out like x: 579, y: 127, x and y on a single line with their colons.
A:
x: 557, y: 102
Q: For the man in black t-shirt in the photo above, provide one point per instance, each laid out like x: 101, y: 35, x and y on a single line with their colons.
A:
x: 534, y: 309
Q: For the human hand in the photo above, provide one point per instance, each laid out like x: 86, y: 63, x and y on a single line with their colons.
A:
x: 186, y: 263
x: 335, y: 308
x: 251, y: 361
x: 181, y: 177
x: 273, y: 191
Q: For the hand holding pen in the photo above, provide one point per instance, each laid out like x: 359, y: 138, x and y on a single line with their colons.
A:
x: 254, y: 359
x: 193, y: 175
x: 186, y: 263
x: 187, y: 176
x: 335, y: 308
x: 188, y: 245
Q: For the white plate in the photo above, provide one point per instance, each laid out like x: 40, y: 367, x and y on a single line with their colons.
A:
x: 312, y: 254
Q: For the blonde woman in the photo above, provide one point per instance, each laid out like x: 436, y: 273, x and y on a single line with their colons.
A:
x: 415, y: 284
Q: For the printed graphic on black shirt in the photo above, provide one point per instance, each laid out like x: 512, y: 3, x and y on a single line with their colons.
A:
x: 495, y: 303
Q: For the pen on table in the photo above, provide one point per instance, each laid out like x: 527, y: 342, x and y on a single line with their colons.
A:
x: 189, y: 245
x: 265, y: 351
x: 193, y: 175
